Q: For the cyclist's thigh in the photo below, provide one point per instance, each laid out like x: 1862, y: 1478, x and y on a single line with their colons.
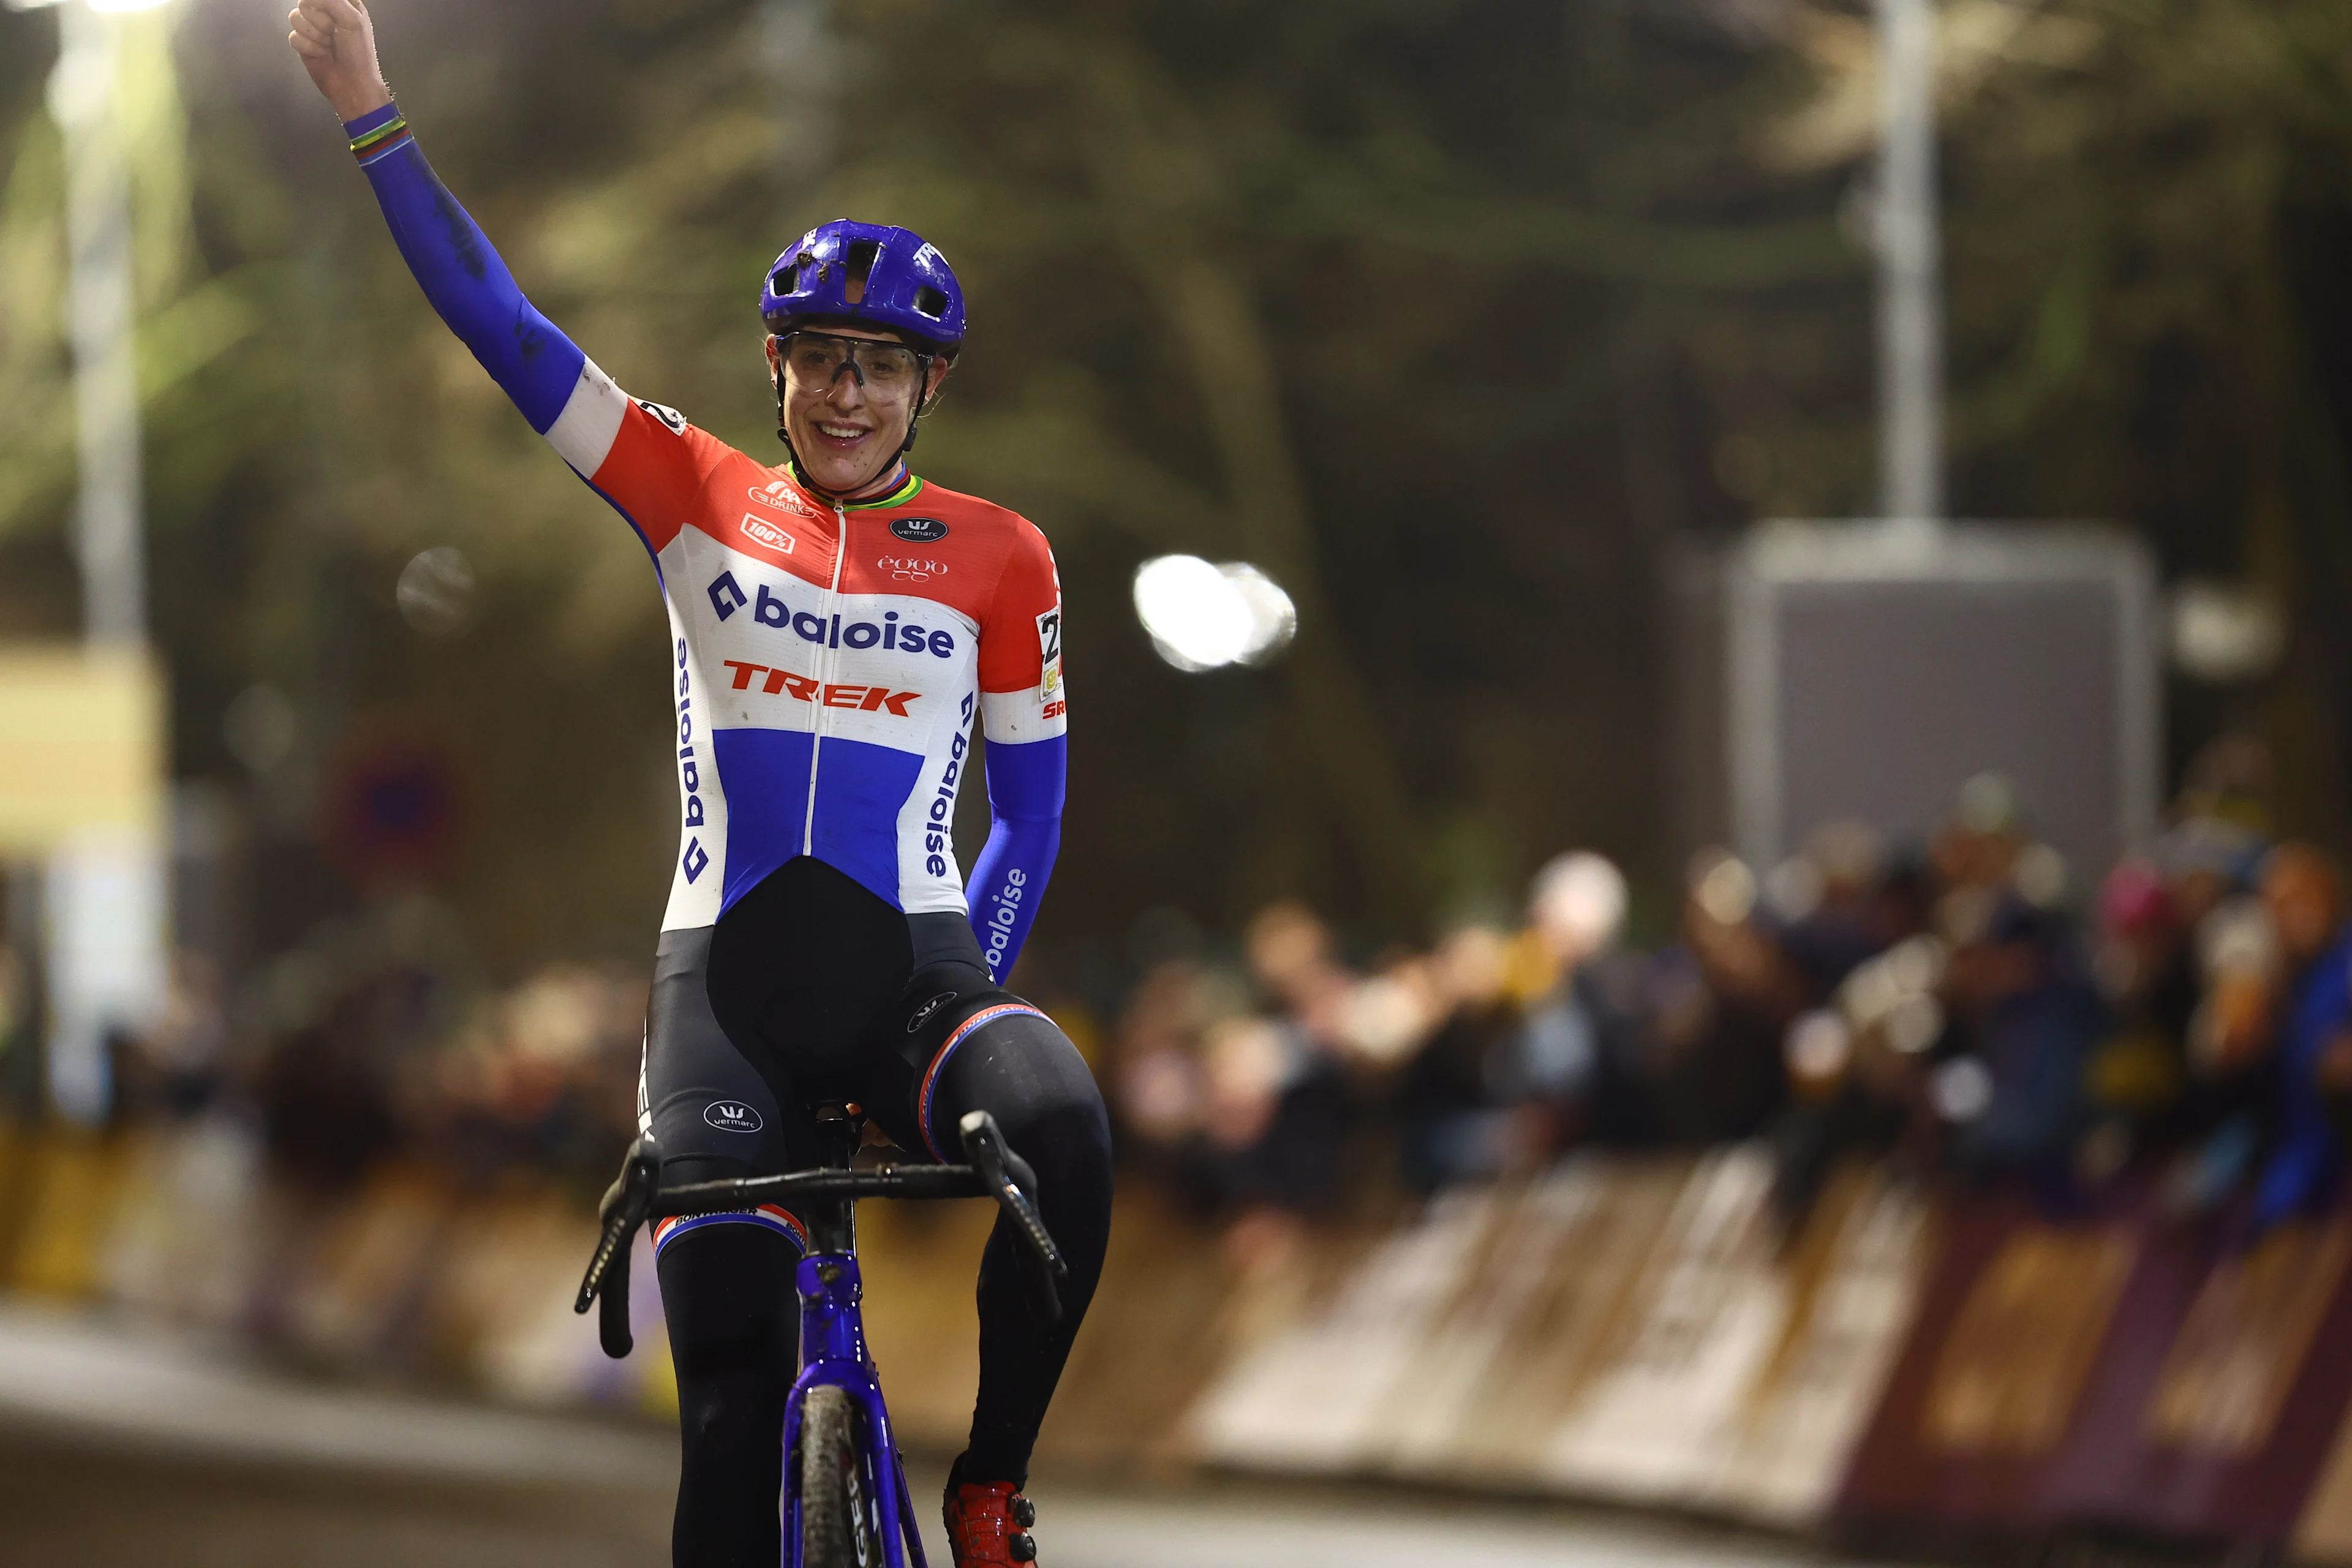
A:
x: 980, y: 1047
x: 713, y: 1109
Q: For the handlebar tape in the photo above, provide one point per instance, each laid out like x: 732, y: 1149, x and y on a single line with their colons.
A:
x: 613, y: 1308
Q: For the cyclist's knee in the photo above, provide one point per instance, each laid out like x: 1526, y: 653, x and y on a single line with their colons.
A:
x: 722, y: 1414
x: 1032, y: 1079
x: 1021, y: 1068
x: 1068, y: 1126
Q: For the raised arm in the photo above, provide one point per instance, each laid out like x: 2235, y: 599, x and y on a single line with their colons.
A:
x: 644, y: 459
x: 461, y: 275
x: 1025, y: 715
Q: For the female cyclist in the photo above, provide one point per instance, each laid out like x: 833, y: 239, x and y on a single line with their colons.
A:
x: 837, y: 627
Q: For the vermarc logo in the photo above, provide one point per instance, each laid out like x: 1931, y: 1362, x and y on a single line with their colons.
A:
x: 733, y: 1116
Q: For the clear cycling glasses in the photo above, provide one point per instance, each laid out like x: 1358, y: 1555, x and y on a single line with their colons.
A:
x: 885, y: 369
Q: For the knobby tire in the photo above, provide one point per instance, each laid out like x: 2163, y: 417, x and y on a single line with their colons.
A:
x: 837, y: 1493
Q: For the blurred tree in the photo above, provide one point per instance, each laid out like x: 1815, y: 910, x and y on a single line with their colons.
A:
x: 1350, y: 301
x: 1344, y: 302
x: 2149, y: 221
x: 1451, y: 315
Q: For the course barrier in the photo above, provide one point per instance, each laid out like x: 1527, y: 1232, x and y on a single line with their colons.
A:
x: 2119, y: 1367
x: 1642, y: 1330
x: 1636, y: 1331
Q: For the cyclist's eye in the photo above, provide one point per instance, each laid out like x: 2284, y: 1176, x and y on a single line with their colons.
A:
x: 892, y: 368
x: 815, y: 360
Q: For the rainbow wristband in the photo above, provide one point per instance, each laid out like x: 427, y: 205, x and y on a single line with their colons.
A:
x: 381, y: 141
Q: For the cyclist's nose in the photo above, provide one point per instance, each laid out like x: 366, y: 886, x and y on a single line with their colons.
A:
x: 848, y: 388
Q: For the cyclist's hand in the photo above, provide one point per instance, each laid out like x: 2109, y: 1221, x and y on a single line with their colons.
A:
x: 639, y: 1148
x: 336, y: 39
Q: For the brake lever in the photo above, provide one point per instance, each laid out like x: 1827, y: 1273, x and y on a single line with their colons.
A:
x: 606, y: 1282
x: 1010, y: 1182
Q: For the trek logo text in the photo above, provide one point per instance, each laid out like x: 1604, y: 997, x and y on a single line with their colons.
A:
x: 865, y: 698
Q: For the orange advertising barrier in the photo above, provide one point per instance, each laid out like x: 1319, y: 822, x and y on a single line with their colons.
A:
x: 2125, y: 1368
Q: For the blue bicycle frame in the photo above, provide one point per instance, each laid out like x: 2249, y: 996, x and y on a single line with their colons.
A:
x: 833, y: 1354
x: 832, y: 1326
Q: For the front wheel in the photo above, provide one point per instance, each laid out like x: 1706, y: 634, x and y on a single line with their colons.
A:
x: 837, y: 1511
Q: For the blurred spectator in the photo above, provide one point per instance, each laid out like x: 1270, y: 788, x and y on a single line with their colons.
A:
x: 23, y: 1080
x: 2023, y: 1021
x: 2302, y: 892
x: 1720, y: 1004
x: 542, y: 1082
x: 1837, y: 905
x: 1446, y: 1090
x: 175, y: 1067
x: 2144, y: 966
x: 1291, y: 958
x: 1232, y: 1109
x: 1521, y: 1064
x: 1577, y: 1062
x: 326, y: 1101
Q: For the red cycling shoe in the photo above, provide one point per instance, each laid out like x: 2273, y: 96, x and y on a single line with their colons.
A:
x: 988, y: 1522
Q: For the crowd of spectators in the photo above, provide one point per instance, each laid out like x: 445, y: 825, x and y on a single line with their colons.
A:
x: 372, y: 1043
x: 1964, y: 1005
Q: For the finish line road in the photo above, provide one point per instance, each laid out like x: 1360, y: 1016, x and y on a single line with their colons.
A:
x: 120, y: 1448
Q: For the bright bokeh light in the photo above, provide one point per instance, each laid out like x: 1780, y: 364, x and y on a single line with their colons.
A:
x: 1578, y: 903
x: 1204, y: 617
x: 1726, y: 889
x: 1274, y: 620
x: 1818, y: 1047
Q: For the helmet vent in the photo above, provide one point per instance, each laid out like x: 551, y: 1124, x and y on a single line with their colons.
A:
x: 779, y: 282
x: 930, y: 303
x: 859, y: 260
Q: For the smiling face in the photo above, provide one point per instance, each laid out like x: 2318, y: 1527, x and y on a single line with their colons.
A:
x: 847, y: 431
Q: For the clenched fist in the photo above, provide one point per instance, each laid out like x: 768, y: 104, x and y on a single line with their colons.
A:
x: 336, y: 39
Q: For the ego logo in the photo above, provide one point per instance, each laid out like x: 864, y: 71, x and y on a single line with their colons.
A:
x: 919, y: 530
x: 912, y: 568
x: 923, y: 1014
x: 733, y: 1116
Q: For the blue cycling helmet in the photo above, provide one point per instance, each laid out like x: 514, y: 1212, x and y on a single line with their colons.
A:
x: 868, y: 273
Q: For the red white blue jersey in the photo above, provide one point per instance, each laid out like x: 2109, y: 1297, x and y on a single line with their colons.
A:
x: 829, y: 662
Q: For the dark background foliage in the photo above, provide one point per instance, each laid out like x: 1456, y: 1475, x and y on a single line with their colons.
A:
x: 1461, y: 318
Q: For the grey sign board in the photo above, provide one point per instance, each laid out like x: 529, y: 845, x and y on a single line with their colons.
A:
x: 1868, y: 669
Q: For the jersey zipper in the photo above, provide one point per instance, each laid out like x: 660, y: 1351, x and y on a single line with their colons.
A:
x: 825, y: 668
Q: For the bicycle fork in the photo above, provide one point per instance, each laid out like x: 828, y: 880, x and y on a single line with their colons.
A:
x: 834, y: 1355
